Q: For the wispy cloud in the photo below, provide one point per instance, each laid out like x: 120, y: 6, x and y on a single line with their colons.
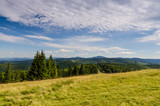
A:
x: 154, y: 37
x: 39, y: 37
x: 13, y: 39
x: 126, y: 53
x: 158, y: 52
x: 48, y: 52
x: 85, y: 38
x: 84, y: 48
x: 95, y: 15
x: 3, y: 28
x: 83, y: 54
x: 64, y: 50
x: 157, y: 43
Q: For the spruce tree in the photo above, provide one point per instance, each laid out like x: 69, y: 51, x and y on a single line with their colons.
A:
x: 24, y: 75
x: 39, y: 68
x: 76, y: 70
x: 42, y: 73
x: 16, y: 76
x: 2, y: 77
x: 8, y: 73
x: 81, y: 70
x: 50, y: 69
x: 55, y: 70
x: 34, y: 70
x: 70, y: 71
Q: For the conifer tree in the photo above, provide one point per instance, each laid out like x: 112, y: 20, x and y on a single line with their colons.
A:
x: 42, y: 73
x: 61, y: 73
x: 81, y: 70
x: 8, y: 73
x: 33, y: 72
x: 55, y: 70
x: 16, y: 76
x: 70, y: 71
x: 2, y: 77
x: 24, y: 75
x: 76, y: 70
x: 50, y: 67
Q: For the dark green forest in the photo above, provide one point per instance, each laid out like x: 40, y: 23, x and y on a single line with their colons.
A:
x: 41, y: 68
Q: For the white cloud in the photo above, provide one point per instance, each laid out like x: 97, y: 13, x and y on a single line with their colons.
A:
x: 39, y: 37
x: 13, y: 39
x: 64, y: 50
x: 85, y: 38
x: 84, y: 48
x: 157, y: 43
x: 95, y: 15
x: 54, y: 45
x: 3, y: 28
x: 126, y: 53
x: 48, y: 52
x: 154, y: 37
x: 11, y: 53
x: 158, y: 52
x: 83, y: 54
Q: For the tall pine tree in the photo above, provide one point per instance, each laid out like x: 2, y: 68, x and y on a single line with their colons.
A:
x: 50, y: 69
x: 42, y: 70
x: 2, y: 77
x: 38, y: 68
x: 8, y: 73
x: 81, y: 71
x: 33, y: 72
x: 76, y: 70
x: 55, y: 70
x: 42, y: 73
x: 70, y: 71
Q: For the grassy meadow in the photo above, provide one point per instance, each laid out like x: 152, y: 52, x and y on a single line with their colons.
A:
x: 140, y: 88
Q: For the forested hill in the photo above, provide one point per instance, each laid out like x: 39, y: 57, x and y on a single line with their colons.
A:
x: 24, y: 63
x: 20, y: 64
x: 151, y: 61
x: 102, y: 59
x: 86, y: 60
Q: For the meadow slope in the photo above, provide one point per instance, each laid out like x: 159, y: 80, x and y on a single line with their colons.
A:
x: 131, y: 88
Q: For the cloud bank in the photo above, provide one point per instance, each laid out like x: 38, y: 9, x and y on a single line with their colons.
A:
x: 94, y: 15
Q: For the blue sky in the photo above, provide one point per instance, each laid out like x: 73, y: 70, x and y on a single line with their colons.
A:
x: 83, y: 28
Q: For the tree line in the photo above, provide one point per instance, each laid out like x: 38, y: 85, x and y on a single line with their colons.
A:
x: 44, y: 69
x: 119, y: 67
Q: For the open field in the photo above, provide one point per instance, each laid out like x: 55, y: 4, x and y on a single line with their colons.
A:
x: 131, y: 88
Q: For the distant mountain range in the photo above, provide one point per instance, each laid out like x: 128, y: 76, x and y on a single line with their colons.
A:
x: 88, y: 60
x: 15, y: 59
x: 62, y: 63
x: 151, y: 61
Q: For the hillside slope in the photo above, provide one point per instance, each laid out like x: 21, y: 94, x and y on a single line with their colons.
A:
x: 132, y: 88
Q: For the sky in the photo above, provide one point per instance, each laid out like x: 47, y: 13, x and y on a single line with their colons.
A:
x: 80, y: 28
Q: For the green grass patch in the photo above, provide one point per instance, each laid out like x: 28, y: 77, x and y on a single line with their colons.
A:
x: 141, y: 88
